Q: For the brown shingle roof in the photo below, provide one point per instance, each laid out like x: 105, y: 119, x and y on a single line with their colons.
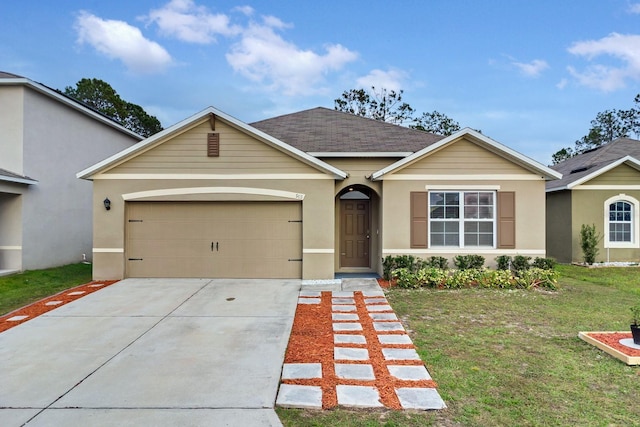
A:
x: 5, y: 75
x: 589, y: 162
x: 324, y: 130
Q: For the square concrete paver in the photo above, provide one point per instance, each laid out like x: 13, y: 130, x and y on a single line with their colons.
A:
x: 383, y: 316
x: 299, y: 396
x: 352, y: 371
x: 388, y: 326
x: 400, y: 354
x: 342, y: 301
x: 358, y: 396
x: 420, y: 398
x: 409, y: 373
x: 343, y: 308
x: 392, y: 339
x: 345, y: 353
x: 379, y: 307
x: 347, y: 326
x: 349, y: 339
x: 292, y: 371
x: 306, y: 293
x: 344, y: 316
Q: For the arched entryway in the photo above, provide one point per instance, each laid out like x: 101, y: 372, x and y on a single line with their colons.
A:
x: 357, y: 230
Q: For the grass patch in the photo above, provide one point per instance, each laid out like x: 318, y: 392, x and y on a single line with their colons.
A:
x: 22, y: 289
x: 512, y: 357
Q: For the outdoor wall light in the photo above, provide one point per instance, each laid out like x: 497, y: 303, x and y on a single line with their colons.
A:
x: 107, y: 204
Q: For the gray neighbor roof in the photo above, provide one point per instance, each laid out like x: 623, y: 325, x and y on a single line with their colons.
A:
x: 590, y: 161
x: 5, y: 175
x: 322, y: 130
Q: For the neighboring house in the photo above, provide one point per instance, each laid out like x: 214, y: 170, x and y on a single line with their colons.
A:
x: 600, y: 187
x: 45, y: 138
x: 309, y: 194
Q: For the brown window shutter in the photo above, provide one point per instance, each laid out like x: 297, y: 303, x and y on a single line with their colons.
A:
x: 506, y: 219
x: 419, y: 219
x: 213, y: 145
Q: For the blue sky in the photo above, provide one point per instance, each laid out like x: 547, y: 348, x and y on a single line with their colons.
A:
x: 529, y: 74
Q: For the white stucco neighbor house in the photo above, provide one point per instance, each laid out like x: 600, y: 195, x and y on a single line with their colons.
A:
x: 45, y: 138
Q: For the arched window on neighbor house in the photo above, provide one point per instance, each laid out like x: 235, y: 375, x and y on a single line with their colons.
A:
x: 621, y: 222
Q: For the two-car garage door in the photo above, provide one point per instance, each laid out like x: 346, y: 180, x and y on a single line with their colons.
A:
x: 214, y: 239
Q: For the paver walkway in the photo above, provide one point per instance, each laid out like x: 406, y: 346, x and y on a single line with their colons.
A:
x: 350, y: 349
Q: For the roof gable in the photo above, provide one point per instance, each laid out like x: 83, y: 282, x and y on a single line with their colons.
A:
x: 8, y: 79
x: 329, y: 133
x: 581, y: 168
x: 206, y: 115
x: 473, y: 137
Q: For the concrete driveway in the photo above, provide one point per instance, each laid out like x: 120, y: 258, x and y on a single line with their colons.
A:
x: 151, y: 352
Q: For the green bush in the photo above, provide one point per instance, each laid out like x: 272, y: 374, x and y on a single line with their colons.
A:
x: 466, y: 262
x: 503, y: 262
x: 438, y: 262
x: 589, y: 239
x: 520, y: 263
x: 406, y: 278
x: 391, y: 263
x: 544, y: 263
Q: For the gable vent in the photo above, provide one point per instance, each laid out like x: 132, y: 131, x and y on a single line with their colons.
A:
x: 213, y: 145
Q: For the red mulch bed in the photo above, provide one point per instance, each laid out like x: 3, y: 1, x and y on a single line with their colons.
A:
x: 612, y: 339
x: 386, y: 284
x: 311, y: 341
x: 41, y: 307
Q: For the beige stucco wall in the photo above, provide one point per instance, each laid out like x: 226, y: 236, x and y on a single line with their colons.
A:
x: 446, y: 170
x: 247, y: 170
x: 587, y: 207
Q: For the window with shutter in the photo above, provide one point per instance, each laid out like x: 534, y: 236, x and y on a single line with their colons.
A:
x: 419, y: 219
x: 506, y: 219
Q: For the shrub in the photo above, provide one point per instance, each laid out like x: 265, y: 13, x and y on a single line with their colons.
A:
x: 391, y: 263
x: 432, y: 277
x: 466, y: 262
x: 406, y: 278
x: 502, y: 279
x: 589, y: 239
x: 521, y: 263
x: 544, y: 263
x: 503, y: 262
x: 438, y: 262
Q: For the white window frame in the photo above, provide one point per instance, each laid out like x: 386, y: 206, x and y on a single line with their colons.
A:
x: 461, y: 220
x: 635, y: 218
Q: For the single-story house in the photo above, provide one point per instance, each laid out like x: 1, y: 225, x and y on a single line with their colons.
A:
x: 599, y: 187
x: 45, y: 138
x: 307, y: 195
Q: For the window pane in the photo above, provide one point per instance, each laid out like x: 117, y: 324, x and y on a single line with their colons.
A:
x: 470, y: 227
x: 486, y: 212
x: 470, y: 198
x: 437, y: 212
x: 452, y: 198
x: 627, y: 216
x: 452, y: 239
x: 452, y: 212
x: 485, y: 240
x: 471, y: 212
x: 470, y: 239
x: 437, y: 239
x: 486, y: 199
x: 436, y: 199
x: 485, y: 227
x: 437, y: 226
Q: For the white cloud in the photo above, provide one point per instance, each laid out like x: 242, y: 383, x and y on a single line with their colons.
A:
x: 625, y: 48
x: 263, y: 56
x: 185, y: 21
x: 562, y: 84
x: 119, y: 40
x: 390, y: 79
x: 634, y: 8
x: 533, y: 68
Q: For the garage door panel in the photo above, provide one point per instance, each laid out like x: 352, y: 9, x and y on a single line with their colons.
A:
x: 216, y: 239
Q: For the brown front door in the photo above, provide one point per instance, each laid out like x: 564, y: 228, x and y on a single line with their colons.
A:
x: 354, y: 233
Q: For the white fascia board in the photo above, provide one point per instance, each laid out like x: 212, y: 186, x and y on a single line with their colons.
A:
x: 352, y: 154
x: 143, y: 145
x: 17, y: 180
x: 631, y: 161
x: 69, y: 102
x: 545, y: 171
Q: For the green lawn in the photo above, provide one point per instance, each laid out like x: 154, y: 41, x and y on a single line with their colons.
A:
x: 22, y: 289
x: 506, y: 358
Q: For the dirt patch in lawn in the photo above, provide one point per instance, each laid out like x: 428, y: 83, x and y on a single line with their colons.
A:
x: 31, y: 311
